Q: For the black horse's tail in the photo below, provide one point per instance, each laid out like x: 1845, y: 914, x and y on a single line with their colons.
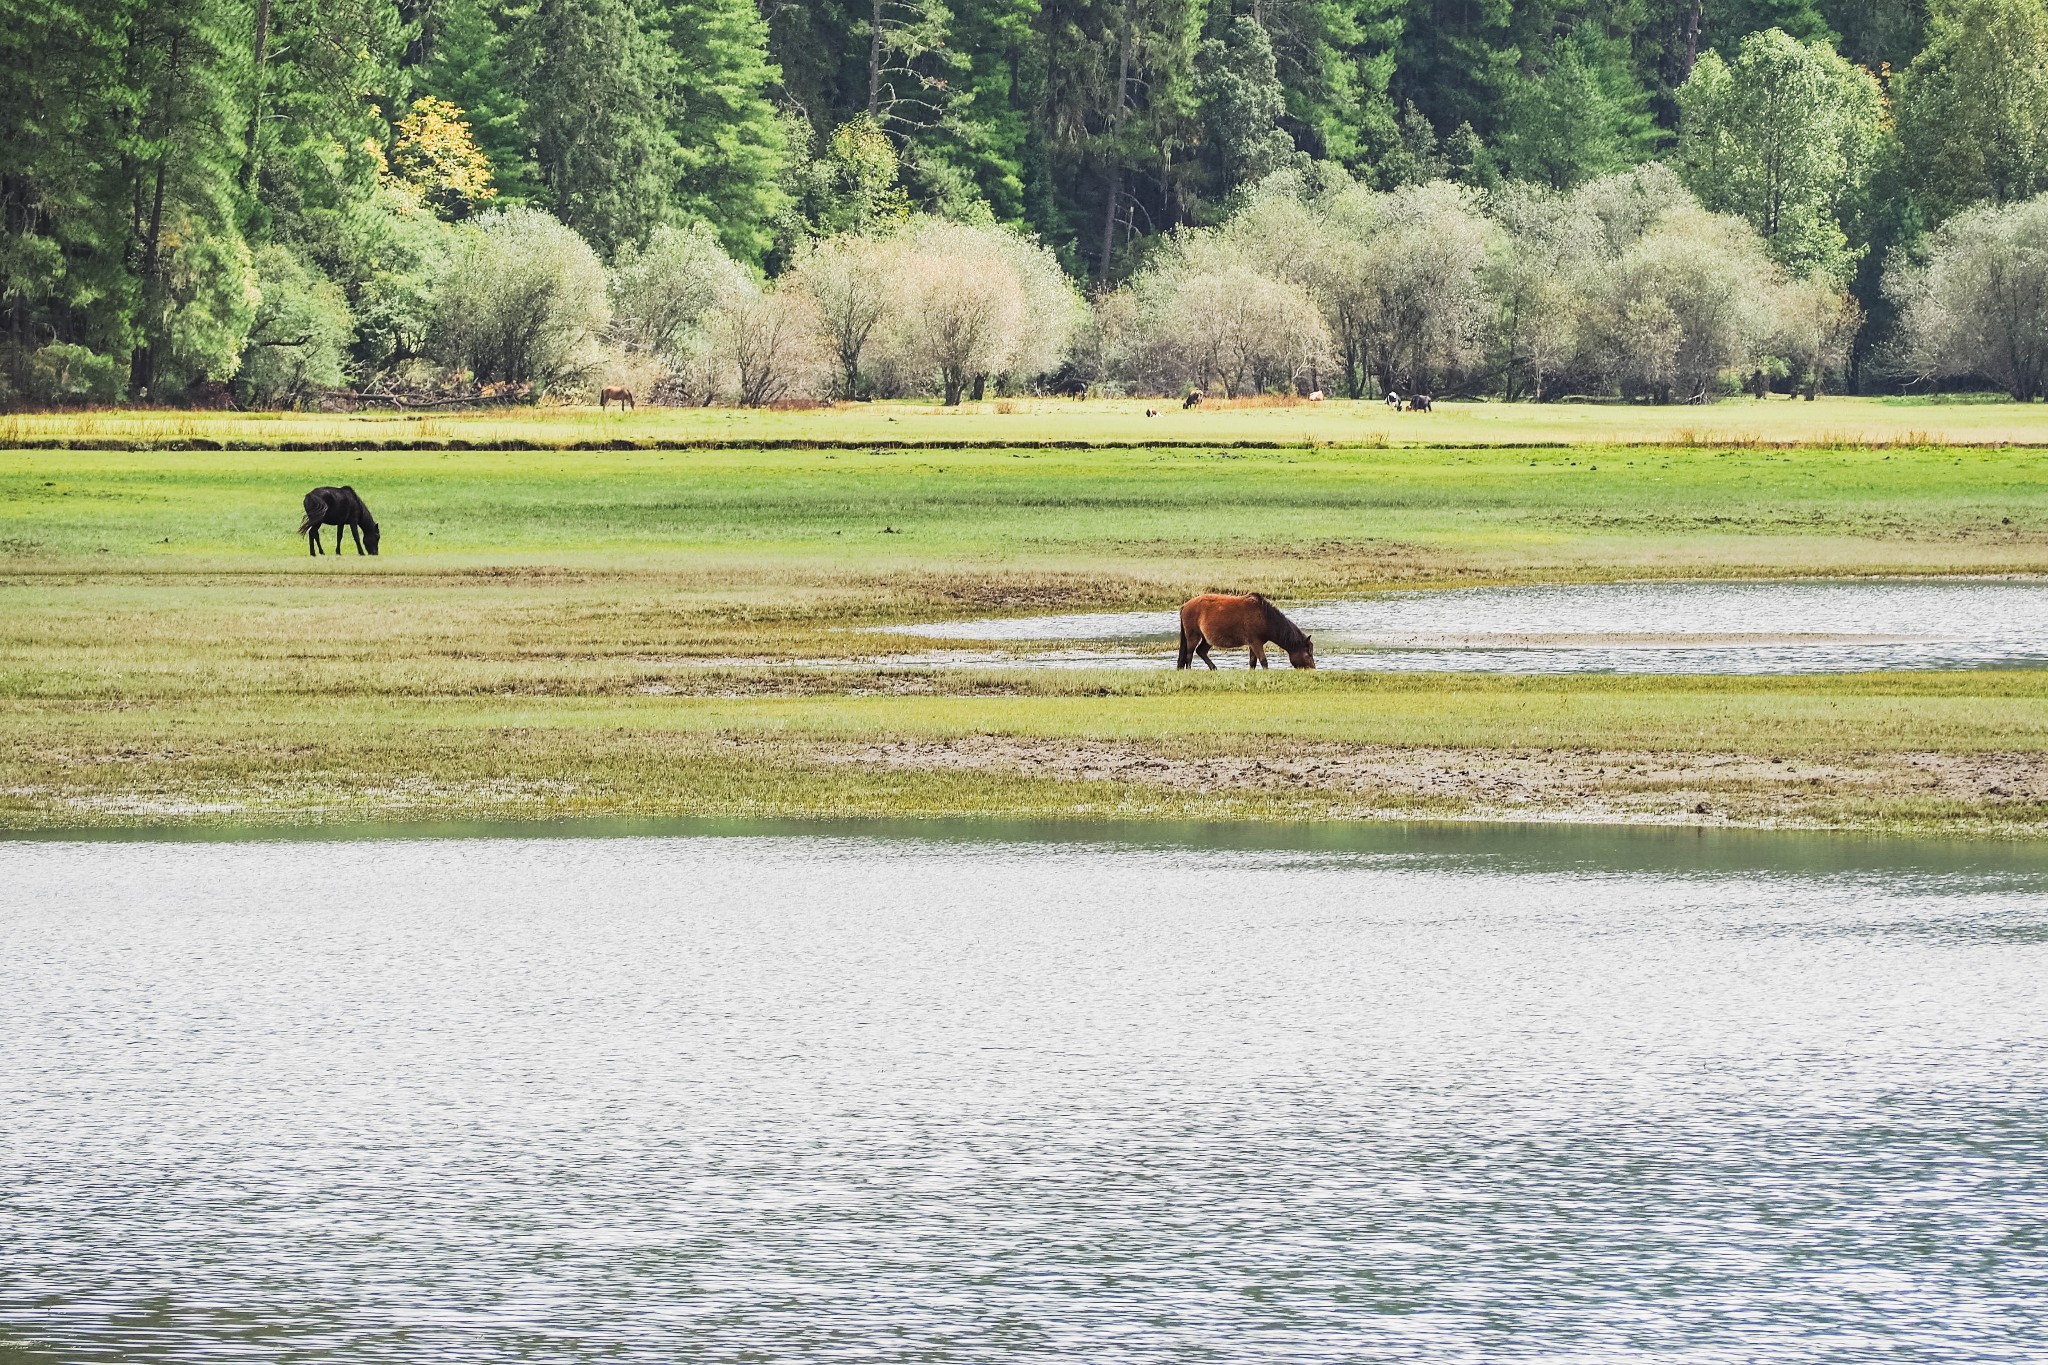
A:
x: 316, y: 511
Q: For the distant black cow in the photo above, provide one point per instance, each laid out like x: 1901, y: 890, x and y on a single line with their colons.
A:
x: 1193, y: 400
x: 1419, y: 402
x: 338, y: 507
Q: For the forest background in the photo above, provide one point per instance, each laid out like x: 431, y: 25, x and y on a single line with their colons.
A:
x: 189, y: 186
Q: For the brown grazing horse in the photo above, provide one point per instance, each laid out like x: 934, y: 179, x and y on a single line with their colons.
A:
x: 1248, y: 622
x: 623, y: 397
x: 338, y: 507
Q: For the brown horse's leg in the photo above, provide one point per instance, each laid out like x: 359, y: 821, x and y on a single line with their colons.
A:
x: 1202, y: 650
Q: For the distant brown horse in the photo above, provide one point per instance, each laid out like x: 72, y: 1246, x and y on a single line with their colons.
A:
x: 1248, y: 622
x: 623, y: 397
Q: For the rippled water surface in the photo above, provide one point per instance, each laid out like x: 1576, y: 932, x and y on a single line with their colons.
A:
x: 1753, y: 627
x: 1411, y: 1096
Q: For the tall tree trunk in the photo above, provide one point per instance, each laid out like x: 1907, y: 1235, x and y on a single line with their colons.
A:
x: 260, y: 55
x: 1113, y: 195
x: 142, y: 361
x: 875, y: 60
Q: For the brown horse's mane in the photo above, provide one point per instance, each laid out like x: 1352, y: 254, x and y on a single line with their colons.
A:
x: 1279, y: 629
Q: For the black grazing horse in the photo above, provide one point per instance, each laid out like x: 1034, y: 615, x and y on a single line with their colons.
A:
x: 338, y: 507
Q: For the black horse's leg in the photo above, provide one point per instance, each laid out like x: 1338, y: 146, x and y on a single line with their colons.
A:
x: 355, y: 532
x: 339, y: 532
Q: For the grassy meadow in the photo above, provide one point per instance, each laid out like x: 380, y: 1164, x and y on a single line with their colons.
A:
x: 628, y: 632
x: 1778, y: 420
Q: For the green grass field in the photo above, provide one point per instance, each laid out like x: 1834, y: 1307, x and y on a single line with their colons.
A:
x: 624, y: 632
x: 1828, y: 421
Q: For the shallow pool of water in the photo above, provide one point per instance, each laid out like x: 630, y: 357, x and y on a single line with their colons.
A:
x: 1665, y: 627
x: 1456, y: 1096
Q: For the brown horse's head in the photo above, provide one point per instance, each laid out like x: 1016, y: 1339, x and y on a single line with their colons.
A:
x: 1302, y: 655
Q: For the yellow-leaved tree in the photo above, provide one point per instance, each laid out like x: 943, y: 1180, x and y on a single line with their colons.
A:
x: 436, y: 157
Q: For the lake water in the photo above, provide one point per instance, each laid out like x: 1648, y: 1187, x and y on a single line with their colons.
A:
x: 1388, y: 1094
x: 1664, y: 627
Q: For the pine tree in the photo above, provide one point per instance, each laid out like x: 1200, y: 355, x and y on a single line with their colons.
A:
x: 595, y: 112
x: 1583, y: 113
x: 1876, y: 33
x: 181, y: 155
x: 729, y: 144
x: 1456, y: 60
x: 468, y: 64
x: 987, y: 135
x: 322, y: 86
x: 1727, y: 22
x: 62, y: 227
x: 1243, y: 102
x: 1333, y: 60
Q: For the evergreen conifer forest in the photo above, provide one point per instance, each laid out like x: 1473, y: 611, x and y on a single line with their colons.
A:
x: 288, y: 203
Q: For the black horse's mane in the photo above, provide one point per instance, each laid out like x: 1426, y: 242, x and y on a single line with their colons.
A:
x: 1279, y: 629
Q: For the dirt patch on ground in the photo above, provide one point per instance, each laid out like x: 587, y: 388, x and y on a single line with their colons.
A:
x: 1511, y: 783
x: 700, y: 683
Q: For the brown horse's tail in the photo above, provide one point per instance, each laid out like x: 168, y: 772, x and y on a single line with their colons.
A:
x: 1187, y: 649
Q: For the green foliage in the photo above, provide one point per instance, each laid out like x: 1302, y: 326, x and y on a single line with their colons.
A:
x: 1243, y: 101
x: 1456, y: 59
x: 1973, y: 106
x: 299, y: 342
x: 1582, y: 114
x: 714, y: 78
x: 1728, y: 22
x: 152, y: 150
x: 314, y: 132
x: 1877, y: 33
x: 389, y: 262
x: 594, y: 77
x: 194, y: 294
x: 64, y: 224
x: 469, y: 64
x: 850, y: 184
x: 522, y: 302
x: 662, y: 292
x: 1785, y: 136
x: 1977, y: 304
x: 64, y: 372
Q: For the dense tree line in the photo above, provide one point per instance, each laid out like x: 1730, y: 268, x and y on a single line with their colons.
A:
x: 273, y: 197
